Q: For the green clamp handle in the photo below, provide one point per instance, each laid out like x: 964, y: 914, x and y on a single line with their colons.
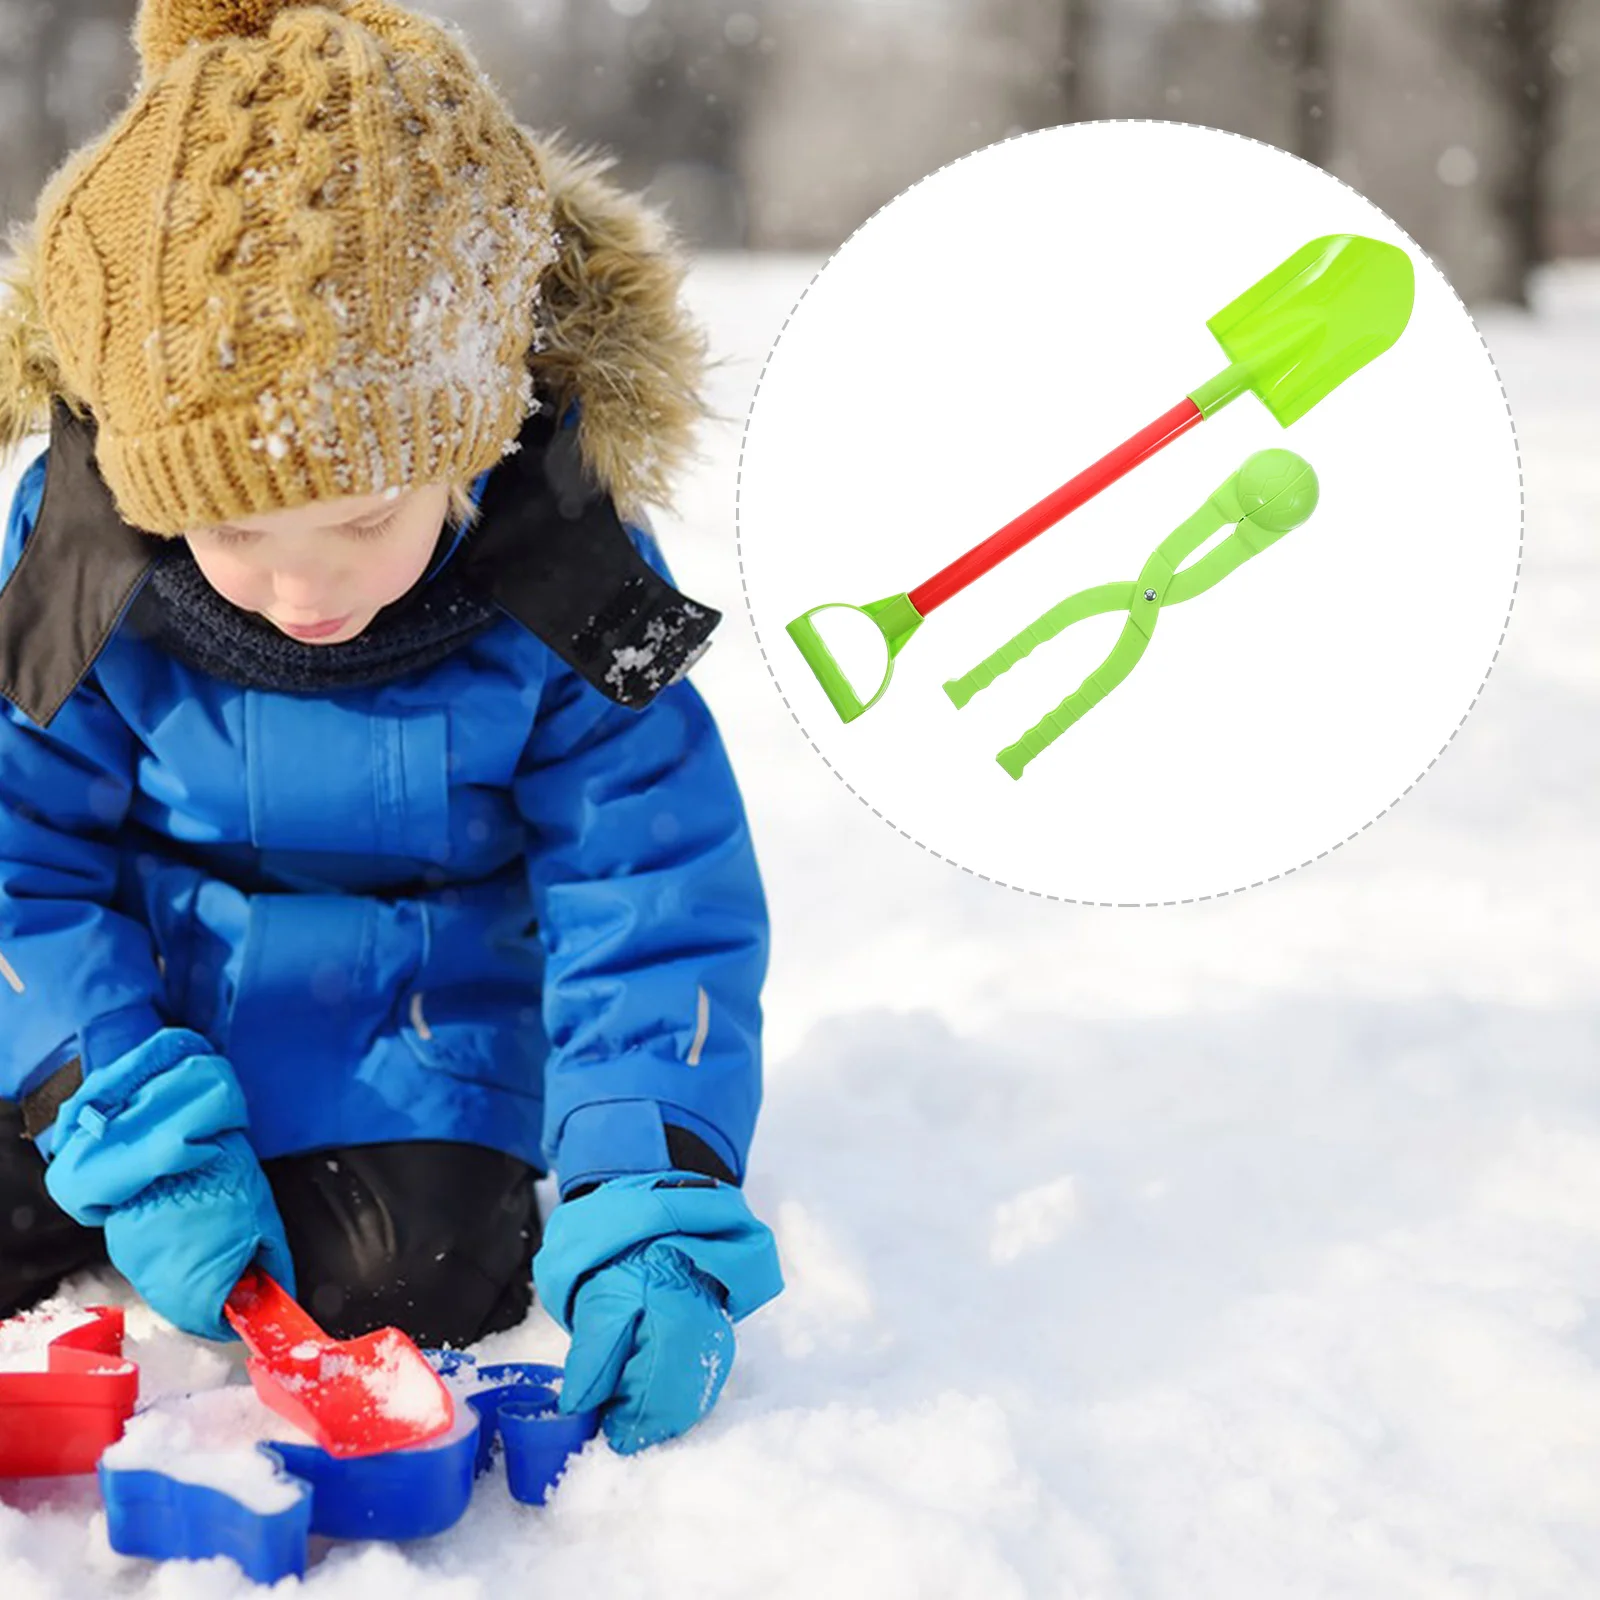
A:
x: 1271, y: 493
x: 1075, y: 608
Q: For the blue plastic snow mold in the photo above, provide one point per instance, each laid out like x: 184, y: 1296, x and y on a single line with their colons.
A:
x: 398, y: 1495
x: 536, y: 1438
x: 151, y: 1514
x: 401, y: 1494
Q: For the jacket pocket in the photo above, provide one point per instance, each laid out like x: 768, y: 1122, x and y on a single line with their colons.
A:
x: 327, y: 776
x: 301, y: 972
x: 480, y: 1035
x: 319, y: 975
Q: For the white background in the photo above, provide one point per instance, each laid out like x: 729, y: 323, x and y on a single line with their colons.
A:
x: 989, y: 334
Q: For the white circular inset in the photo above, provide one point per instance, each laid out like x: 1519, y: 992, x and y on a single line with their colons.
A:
x: 987, y: 336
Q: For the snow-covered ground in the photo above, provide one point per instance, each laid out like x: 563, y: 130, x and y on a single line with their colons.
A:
x: 1240, y: 1249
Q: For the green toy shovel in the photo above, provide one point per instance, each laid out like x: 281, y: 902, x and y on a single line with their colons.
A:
x: 1291, y: 339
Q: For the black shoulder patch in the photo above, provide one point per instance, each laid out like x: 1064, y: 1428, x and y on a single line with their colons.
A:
x: 80, y: 569
x: 563, y: 566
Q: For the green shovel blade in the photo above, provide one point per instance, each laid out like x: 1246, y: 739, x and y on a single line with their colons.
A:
x: 1295, y: 336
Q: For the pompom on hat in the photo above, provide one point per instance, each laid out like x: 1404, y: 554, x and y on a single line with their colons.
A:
x: 165, y: 30
x: 317, y: 257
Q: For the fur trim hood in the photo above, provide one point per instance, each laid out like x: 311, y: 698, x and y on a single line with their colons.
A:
x: 613, y: 334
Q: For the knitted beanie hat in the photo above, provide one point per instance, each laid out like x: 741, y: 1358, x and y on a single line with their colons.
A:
x: 303, y: 263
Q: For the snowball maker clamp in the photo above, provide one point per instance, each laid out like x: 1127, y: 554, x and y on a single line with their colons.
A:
x: 1273, y: 492
x: 1291, y: 339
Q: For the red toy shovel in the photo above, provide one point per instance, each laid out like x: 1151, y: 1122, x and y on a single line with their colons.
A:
x: 355, y: 1397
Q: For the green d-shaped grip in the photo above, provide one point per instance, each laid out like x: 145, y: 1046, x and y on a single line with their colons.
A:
x: 894, y: 617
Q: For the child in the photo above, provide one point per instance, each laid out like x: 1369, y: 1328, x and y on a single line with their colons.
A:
x: 362, y: 855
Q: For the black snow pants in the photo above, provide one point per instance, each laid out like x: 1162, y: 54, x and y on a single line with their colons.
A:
x: 434, y: 1238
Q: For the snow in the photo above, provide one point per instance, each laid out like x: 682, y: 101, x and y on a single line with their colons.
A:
x: 405, y: 1389
x: 456, y: 321
x: 1033, y: 1219
x: 25, y: 1341
x: 210, y: 1439
x: 400, y: 1386
x: 629, y: 660
x: 1240, y: 1249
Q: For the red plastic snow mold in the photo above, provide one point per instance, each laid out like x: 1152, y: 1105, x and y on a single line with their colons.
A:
x: 58, y: 1419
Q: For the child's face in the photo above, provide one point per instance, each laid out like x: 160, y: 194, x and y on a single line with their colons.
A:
x: 320, y: 573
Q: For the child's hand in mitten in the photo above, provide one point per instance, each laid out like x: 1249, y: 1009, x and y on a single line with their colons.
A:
x: 649, y: 1273
x: 651, y: 1343
x: 152, y: 1149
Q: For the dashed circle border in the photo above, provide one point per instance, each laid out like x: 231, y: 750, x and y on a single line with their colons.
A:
x: 1218, y: 894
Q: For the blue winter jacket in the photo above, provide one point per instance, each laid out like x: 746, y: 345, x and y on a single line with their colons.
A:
x: 480, y: 902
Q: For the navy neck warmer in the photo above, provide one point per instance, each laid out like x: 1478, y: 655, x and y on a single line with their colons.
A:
x: 179, y: 611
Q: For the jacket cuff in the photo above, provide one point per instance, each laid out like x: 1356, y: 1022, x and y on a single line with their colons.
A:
x: 708, y: 1222
x: 96, y: 1046
x: 619, y: 1138
x: 158, y: 1111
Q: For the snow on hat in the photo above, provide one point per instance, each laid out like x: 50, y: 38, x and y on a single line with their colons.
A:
x: 303, y: 263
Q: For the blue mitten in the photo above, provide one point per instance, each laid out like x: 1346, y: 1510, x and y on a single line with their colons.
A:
x: 649, y: 1273
x: 651, y: 1343
x: 152, y: 1148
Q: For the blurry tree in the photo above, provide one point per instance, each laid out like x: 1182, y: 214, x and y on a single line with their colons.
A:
x: 1008, y: 40
x: 1574, y: 193
x: 666, y: 85
x: 1297, y: 38
x: 65, y: 69
x: 693, y: 72
x: 1473, y: 122
x: 862, y: 98
x: 1206, y: 64
x: 1078, y: 29
x: 1513, y: 45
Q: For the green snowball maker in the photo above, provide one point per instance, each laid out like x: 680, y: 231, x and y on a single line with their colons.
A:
x: 1272, y: 493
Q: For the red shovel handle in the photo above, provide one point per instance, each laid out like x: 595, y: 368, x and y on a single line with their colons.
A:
x: 269, y: 1320
x: 1049, y: 511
